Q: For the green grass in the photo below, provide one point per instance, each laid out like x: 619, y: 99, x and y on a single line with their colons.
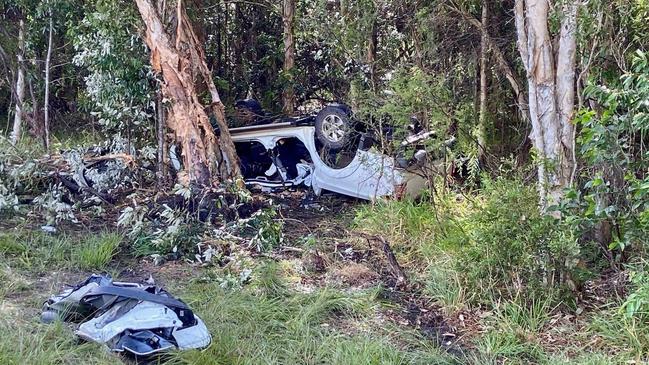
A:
x: 96, y: 252
x: 37, y: 252
x: 622, y: 335
x: 264, y: 322
x: 30, y: 342
x: 497, y: 347
x: 438, y: 236
x: 513, y: 330
x: 11, y: 282
x: 444, y: 284
x: 264, y: 325
x: 524, y: 316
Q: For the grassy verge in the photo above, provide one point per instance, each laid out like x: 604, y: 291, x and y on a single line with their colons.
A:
x: 490, y: 260
x: 470, y: 256
x: 264, y: 325
x: 30, y: 342
x: 265, y: 322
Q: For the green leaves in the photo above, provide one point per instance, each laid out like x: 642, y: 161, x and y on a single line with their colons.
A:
x: 119, y: 85
x: 616, y: 186
x: 637, y: 303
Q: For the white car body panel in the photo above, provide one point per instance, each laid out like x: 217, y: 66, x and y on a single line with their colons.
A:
x: 145, y: 315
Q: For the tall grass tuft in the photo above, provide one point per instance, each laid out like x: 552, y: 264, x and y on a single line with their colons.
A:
x: 97, y: 251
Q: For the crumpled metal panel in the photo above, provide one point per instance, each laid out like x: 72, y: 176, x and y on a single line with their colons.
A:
x: 192, y: 337
x: 141, y: 316
x: 124, y: 321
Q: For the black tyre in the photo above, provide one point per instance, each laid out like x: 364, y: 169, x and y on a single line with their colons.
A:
x: 333, y: 127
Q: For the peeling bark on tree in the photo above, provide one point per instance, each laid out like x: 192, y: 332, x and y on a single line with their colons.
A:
x: 20, y: 87
x: 551, y: 88
x: 46, y: 99
x: 180, y: 59
x: 288, y: 96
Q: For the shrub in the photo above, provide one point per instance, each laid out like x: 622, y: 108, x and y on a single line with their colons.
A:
x: 612, y: 141
x: 636, y: 304
x: 510, y: 248
x: 494, y: 244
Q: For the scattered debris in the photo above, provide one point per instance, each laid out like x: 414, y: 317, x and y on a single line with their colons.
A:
x: 48, y: 229
x: 127, y: 317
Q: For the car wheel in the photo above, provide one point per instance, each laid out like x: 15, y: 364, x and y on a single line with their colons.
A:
x: 333, y: 127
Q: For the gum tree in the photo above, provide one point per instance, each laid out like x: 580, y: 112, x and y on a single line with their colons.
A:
x: 177, y: 55
x: 550, y: 66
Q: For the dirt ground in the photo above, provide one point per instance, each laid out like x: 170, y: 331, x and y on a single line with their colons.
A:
x: 321, y: 249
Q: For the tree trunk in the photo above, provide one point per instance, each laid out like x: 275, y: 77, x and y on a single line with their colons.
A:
x: 46, y: 101
x: 35, y: 118
x: 551, y: 90
x: 288, y: 96
x: 20, y: 87
x: 484, y: 47
x: 372, y: 45
x: 181, y: 61
x: 162, y: 145
x: 501, y: 62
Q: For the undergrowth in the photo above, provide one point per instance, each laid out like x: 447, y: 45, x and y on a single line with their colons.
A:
x: 267, y: 324
x: 492, y: 252
x: 480, y: 248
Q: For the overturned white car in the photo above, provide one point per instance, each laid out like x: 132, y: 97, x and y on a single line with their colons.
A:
x: 291, y: 153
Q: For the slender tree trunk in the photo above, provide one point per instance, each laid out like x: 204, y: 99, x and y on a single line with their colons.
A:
x: 566, y: 85
x: 371, y: 54
x: 551, y: 89
x: 484, y: 47
x: 160, y: 135
x: 501, y: 62
x: 226, y: 42
x: 181, y: 61
x: 35, y: 119
x: 20, y: 87
x: 46, y: 101
x: 288, y: 96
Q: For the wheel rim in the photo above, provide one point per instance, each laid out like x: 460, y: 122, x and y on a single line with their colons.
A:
x: 333, y: 128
